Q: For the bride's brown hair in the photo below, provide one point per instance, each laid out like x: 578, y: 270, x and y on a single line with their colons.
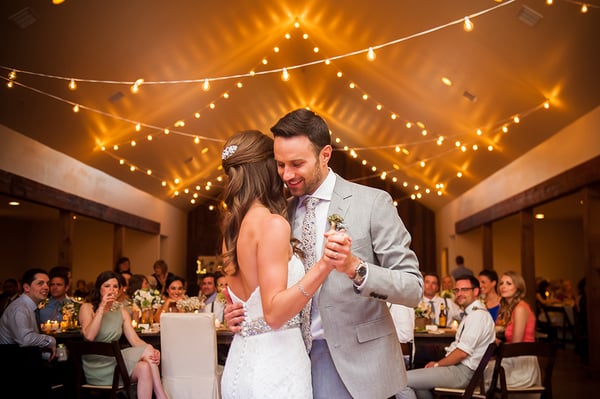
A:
x: 248, y: 161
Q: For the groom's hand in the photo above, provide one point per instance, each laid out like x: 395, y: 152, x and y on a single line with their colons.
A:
x: 234, y: 315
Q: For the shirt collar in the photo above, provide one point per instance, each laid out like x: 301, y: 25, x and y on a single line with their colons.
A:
x: 325, y: 190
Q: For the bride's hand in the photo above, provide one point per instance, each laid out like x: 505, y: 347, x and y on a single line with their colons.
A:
x: 234, y: 315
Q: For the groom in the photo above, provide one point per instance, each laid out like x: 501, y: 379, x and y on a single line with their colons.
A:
x: 355, y: 352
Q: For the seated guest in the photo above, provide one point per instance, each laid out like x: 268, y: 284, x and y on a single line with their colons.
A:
x: 10, y: 292
x: 80, y: 289
x: 214, y: 303
x: 488, y: 280
x: 519, y: 326
x: 59, y: 285
x: 103, y: 320
x: 19, y: 324
x: 174, y: 291
x: 475, y: 332
x: 433, y: 302
x: 161, y: 274
x: 404, y: 321
x: 447, y: 286
x: 122, y: 264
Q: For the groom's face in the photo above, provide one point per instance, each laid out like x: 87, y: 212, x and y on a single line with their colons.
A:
x: 300, y: 168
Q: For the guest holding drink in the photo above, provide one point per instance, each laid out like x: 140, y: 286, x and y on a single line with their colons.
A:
x: 103, y: 319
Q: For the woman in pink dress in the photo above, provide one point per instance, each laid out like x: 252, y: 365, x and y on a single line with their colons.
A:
x: 519, y: 326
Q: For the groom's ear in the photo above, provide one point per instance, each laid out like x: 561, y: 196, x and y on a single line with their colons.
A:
x: 325, y: 154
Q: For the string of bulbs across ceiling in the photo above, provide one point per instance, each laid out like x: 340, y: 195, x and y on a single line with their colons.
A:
x: 285, y: 75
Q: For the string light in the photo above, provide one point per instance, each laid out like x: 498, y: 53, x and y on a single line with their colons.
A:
x: 371, y: 54
x: 285, y: 76
x: 206, y: 85
x: 468, y: 25
x: 72, y: 84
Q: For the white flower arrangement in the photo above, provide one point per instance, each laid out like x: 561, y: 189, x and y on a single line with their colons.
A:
x: 423, y: 310
x: 190, y: 304
x: 146, y: 299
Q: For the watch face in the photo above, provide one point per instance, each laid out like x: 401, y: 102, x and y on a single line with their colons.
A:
x: 362, y: 270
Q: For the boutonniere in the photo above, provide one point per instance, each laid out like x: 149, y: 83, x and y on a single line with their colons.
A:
x: 336, y: 222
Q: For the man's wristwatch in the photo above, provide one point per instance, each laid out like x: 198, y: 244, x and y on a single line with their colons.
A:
x: 360, y: 273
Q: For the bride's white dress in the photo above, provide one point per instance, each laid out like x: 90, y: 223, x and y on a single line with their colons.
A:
x: 265, y: 363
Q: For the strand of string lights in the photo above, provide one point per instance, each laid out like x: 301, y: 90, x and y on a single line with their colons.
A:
x: 206, y: 83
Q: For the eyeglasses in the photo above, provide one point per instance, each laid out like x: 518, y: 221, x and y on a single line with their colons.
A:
x: 457, y: 290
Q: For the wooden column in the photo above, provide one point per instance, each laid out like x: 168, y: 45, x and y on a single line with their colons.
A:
x: 118, y: 242
x: 591, y: 256
x: 527, y: 254
x: 65, y: 237
x: 487, y: 245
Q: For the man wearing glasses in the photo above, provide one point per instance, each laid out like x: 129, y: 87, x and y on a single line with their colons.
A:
x: 475, y: 332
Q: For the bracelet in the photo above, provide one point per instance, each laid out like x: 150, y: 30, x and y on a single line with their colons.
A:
x: 436, y: 364
x: 302, y: 290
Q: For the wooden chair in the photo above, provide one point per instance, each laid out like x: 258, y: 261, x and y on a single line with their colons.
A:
x: 546, y: 324
x: 477, y: 380
x: 407, y: 350
x: 545, y: 353
x: 121, y: 382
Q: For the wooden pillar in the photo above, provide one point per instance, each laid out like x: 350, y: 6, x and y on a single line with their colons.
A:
x: 591, y: 256
x: 65, y: 239
x: 528, y: 254
x: 487, y: 245
x: 118, y: 242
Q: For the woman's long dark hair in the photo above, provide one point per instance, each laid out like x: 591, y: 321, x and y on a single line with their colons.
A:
x: 95, y: 298
x: 252, y: 172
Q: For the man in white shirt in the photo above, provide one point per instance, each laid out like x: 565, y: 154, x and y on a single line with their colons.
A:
x: 475, y: 332
x: 432, y: 301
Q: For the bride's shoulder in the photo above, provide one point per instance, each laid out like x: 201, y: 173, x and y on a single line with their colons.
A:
x: 274, y: 223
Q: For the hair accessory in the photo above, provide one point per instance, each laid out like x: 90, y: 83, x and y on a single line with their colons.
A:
x: 228, y: 151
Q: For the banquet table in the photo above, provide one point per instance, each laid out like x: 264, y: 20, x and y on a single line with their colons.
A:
x: 430, y: 345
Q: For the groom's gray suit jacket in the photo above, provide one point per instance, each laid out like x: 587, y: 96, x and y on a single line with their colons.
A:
x: 358, y: 326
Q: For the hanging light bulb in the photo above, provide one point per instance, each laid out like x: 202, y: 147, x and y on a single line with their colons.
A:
x: 547, y: 104
x: 516, y: 119
x: 371, y: 54
x: 72, y: 84
x: 584, y: 8
x: 206, y: 85
x: 76, y: 108
x: 285, y: 76
x: 12, y: 75
x: 468, y: 25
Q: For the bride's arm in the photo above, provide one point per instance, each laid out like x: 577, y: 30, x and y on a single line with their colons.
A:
x: 279, y: 302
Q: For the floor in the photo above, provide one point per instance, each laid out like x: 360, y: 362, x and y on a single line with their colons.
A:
x: 571, y: 378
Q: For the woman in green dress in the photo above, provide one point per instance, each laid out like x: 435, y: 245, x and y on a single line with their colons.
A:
x: 104, y: 319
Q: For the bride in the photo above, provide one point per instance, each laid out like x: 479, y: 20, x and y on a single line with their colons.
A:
x: 264, y: 272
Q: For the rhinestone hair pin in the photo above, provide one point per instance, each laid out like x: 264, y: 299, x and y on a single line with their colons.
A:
x: 228, y: 151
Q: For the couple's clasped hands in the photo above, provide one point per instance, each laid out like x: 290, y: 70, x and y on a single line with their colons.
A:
x: 337, y: 255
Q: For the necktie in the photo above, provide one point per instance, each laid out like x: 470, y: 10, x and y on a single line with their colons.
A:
x: 309, y: 247
x: 432, y: 307
x: 309, y: 232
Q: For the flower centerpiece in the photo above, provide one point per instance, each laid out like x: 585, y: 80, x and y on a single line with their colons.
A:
x: 447, y: 294
x: 422, y: 315
x: 190, y: 304
x: 70, y: 312
x: 146, y: 301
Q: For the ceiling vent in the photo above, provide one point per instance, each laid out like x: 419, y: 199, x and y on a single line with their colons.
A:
x: 470, y: 96
x: 23, y: 18
x: 529, y: 16
x: 116, y: 96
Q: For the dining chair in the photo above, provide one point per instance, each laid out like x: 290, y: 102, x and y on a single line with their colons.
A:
x: 121, y: 382
x: 553, y: 325
x: 189, y: 356
x: 545, y: 352
x: 476, y: 383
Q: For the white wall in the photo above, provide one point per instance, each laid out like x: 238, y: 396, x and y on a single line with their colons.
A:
x: 28, y: 158
x: 575, y: 144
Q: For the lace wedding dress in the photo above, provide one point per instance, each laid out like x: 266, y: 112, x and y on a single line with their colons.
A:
x: 266, y: 363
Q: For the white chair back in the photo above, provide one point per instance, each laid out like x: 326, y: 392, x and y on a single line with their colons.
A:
x: 189, y: 356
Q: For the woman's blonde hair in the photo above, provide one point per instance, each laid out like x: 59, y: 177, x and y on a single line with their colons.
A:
x: 507, y: 306
x: 248, y: 161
